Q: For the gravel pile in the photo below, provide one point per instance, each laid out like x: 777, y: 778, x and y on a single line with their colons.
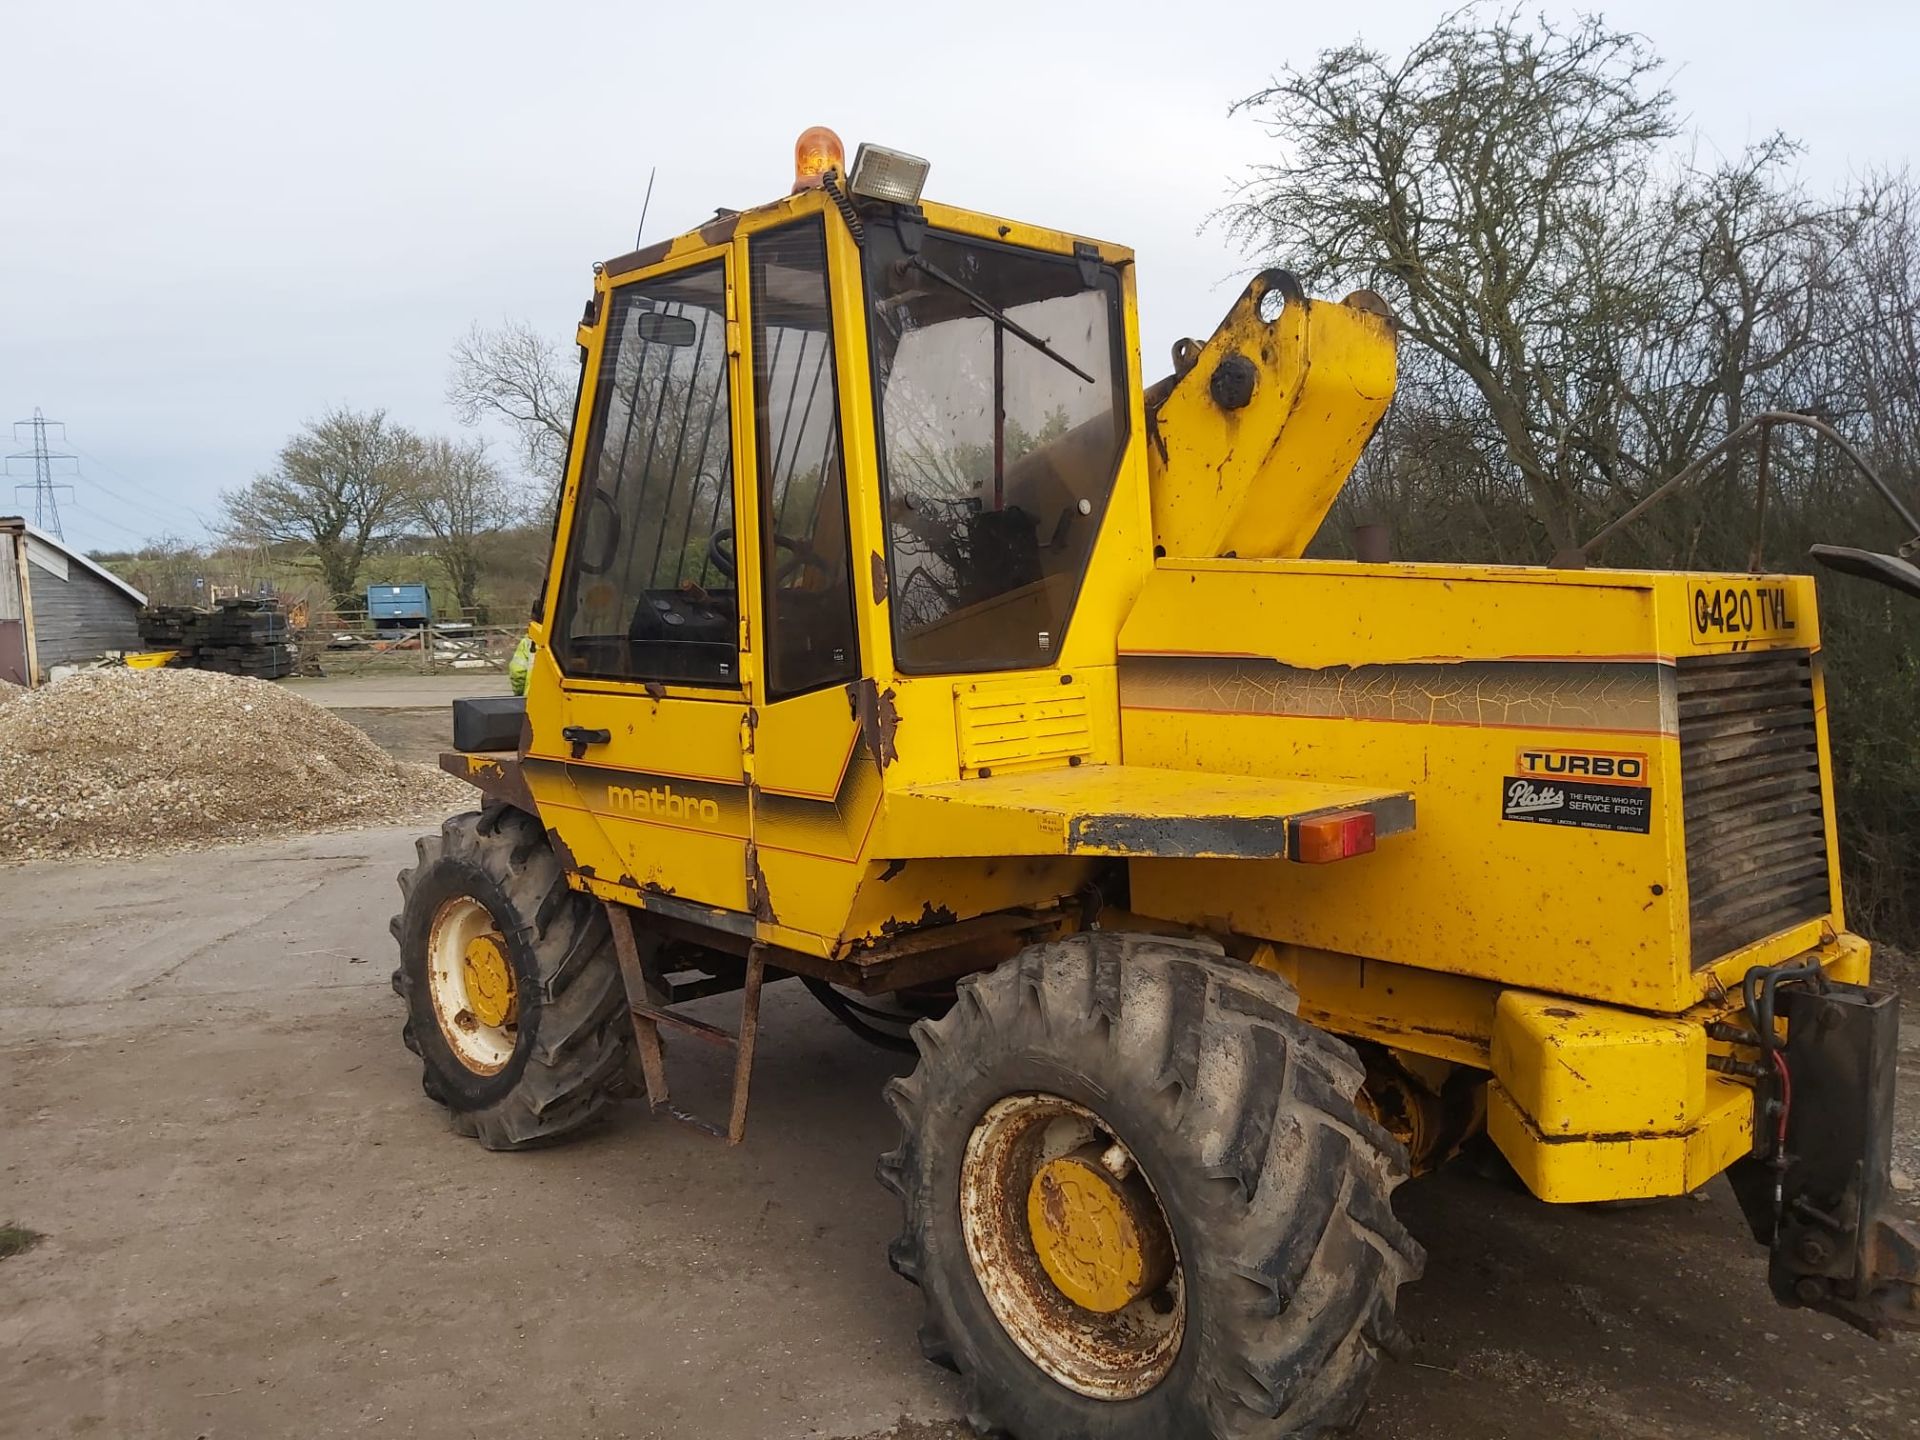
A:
x: 114, y: 762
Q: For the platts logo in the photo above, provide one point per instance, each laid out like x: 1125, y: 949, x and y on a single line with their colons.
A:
x: 1610, y: 767
x: 660, y: 802
x: 1526, y: 798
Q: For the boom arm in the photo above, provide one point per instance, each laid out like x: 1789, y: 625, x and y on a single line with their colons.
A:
x: 1251, y: 442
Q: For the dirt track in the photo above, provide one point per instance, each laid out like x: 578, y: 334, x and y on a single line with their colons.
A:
x: 257, y: 1225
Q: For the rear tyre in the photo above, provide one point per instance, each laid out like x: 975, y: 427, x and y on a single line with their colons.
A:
x: 515, y: 1004
x: 1140, y: 1202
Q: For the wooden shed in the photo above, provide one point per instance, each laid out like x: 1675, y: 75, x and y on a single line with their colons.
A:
x: 57, y: 607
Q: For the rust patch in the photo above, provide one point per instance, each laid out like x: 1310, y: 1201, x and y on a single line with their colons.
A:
x: 894, y: 867
x: 1053, y: 1201
x: 930, y: 915
x: 639, y: 259
x: 498, y: 780
x: 759, y: 900
x: 878, y: 720
x: 655, y: 690
x: 654, y: 887
x: 719, y: 230
x: 1560, y: 1012
x: 879, y: 579
x: 565, y: 854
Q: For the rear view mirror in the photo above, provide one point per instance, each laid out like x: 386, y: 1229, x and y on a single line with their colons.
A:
x: 1891, y: 570
x: 658, y: 329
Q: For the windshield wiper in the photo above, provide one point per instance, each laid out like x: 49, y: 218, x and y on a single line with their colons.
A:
x: 999, y: 317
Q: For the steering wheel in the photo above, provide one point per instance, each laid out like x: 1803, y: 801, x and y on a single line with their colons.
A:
x: 799, y: 554
x: 599, y: 564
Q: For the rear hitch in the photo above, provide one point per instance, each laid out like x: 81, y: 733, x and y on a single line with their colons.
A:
x: 1818, y: 1188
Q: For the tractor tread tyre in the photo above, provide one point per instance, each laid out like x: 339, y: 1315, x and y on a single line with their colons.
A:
x: 569, y: 1060
x: 1243, y: 1116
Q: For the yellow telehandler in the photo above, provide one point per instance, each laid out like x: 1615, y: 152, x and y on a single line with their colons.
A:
x: 899, y: 638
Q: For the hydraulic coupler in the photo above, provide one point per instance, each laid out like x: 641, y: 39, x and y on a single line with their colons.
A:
x: 1818, y: 1188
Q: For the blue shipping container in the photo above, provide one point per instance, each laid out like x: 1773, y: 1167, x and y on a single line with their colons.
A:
x: 398, y: 604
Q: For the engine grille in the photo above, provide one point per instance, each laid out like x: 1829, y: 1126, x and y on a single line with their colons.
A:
x: 1750, y: 778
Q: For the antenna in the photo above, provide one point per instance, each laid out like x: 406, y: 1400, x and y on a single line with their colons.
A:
x: 641, y: 229
x: 46, y: 496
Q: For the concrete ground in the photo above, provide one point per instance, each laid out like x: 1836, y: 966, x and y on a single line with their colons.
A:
x: 395, y: 692
x: 410, y: 715
x: 256, y: 1225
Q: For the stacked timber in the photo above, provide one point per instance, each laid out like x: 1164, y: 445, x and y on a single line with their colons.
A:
x: 246, y: 637
x: 240, y: 637
x: 169, y: 627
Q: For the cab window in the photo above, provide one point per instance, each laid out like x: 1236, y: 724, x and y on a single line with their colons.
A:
x: 806, y: 563
x: 1000, y: 384
x: 649, y: 591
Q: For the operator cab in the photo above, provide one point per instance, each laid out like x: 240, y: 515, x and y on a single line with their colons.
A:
x: 999, y: 423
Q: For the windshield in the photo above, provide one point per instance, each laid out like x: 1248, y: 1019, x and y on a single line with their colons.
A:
x: 998, y: 379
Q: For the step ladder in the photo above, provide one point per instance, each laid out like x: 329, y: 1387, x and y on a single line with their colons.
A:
x: 650, y: 993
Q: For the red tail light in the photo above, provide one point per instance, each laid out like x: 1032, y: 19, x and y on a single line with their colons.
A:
x: 1326, y: 838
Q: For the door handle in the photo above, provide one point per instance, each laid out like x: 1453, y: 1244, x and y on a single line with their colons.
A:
x: 580, y: 737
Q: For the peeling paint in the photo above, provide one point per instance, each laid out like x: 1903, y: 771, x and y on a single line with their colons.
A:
x: 565, y: 854
x: 930, y: 915
x: 878, y: 720
x: 759, y: 898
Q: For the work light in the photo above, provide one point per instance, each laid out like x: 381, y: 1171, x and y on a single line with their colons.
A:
x: 881, y: 174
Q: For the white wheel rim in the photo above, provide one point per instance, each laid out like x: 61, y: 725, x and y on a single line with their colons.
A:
x: 481, y: 1048
x: 1117, y: 1356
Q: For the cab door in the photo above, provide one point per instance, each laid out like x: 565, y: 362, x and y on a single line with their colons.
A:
x: 645, y: 627
x: 816, y: 788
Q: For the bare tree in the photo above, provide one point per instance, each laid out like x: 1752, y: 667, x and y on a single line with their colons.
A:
x: 1586, y: 309
x: 460, y: 499
x: 1482, y: 182
x: 339, y: 486
x: 516, y: 374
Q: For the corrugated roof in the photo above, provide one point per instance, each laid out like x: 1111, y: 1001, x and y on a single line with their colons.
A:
x: 53, y: 542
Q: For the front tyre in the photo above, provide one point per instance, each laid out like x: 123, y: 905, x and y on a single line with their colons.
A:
x: 1140, y: 1201
x: 515, y: 1004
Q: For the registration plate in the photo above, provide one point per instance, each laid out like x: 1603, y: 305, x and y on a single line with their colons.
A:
x: 1741, y: 613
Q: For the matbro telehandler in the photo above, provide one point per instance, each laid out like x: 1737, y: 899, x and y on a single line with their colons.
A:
x: 899, y: 638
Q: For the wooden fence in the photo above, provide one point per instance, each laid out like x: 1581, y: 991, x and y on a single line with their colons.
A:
x: 353, y: 644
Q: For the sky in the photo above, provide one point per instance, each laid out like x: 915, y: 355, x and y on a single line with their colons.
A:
x: 218, y: 220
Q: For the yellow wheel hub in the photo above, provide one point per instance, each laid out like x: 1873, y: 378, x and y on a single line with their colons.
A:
x: 1099, y: 1238
x: 489, y: 976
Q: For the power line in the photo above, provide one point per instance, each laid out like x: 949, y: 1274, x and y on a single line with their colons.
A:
x: 94, y: 462
x: 100, y: 519
x: 94, y: 482
x: 46, y: 496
